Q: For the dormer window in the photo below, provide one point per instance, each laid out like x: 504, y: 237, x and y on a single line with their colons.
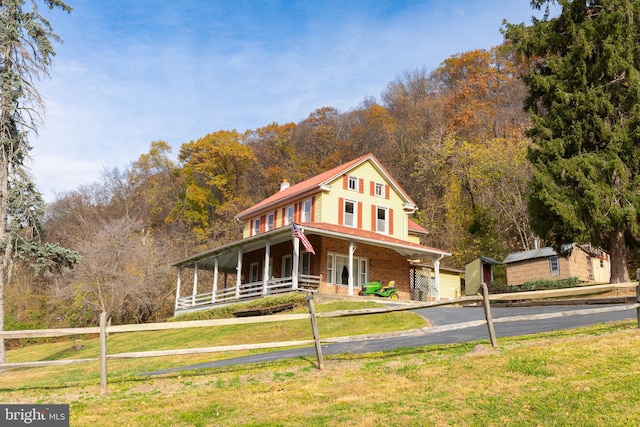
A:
x: 353, y: 183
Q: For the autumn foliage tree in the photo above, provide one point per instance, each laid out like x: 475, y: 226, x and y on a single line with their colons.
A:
x: 216, y: 167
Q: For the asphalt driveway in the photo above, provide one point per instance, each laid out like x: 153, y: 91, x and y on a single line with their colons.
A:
x: 439, y: 316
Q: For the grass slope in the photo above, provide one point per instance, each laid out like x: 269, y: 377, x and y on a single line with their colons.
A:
x: 582, y: 377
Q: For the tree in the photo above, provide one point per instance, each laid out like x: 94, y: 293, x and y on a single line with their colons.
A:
x: 122, y: 273
x: 216, y: 167
x: 26, y: 55
x: 584, y: 99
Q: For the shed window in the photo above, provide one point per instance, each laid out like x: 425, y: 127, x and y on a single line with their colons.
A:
x: 554, y: 266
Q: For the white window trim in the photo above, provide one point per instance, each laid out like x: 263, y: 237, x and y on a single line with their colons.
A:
x: 271, y: 222
x: 379, y: 186
x: 254, y: 267
x: 554, y: 271
x: 355, y: 213
x: 355, y: 181
x: 306, y: 215
x: 289, y: 210
x: 284, y: 259
x: 333, y: 275
x: 386, y: 220
x: 255, y: 226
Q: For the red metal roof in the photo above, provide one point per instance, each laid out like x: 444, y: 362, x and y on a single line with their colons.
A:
x: 313, y: 184
x: 364, y: 234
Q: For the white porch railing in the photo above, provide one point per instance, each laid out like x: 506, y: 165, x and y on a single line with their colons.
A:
x: 247, y: 291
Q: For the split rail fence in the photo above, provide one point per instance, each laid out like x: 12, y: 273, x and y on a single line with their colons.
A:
x: 485, y: 299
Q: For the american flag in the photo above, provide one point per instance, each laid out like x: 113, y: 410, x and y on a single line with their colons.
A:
x: 297, y: 233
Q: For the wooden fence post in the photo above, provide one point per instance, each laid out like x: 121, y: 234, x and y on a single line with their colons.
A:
x: 487, y: 314
x: 314, y: 327
x: 638, y: 302
x: 103, y: 353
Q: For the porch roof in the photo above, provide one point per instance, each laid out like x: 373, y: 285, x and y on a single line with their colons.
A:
x: 228, y: 254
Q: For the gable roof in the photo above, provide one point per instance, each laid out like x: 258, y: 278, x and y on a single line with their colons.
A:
x: 316, y: 183
x: 535, y: 254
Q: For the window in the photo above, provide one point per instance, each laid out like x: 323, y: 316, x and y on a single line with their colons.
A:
x: 305, y: 263
x: 286, y: 266
x: 363, y: 274
x: 381, y: 220
x: 255, y: 229
x: 379, y: 190
x: 338, y: 270
x: 253, y: 272
x: 270, y: 225
x: 353, y: 183
x: 554, y: 266
x: 306, y: 211
x: 349, y: 213
x: 288, y: 215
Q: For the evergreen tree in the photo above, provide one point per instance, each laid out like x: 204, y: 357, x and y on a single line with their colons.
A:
x: 584, y: 100
x: 26, y: 50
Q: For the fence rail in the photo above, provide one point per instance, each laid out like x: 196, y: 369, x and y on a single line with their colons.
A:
x: 103, y: 330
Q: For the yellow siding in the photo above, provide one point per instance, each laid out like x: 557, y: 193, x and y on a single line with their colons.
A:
x: 413, y: 238
x: 330, y: 208
x: 473, y: 277
x: 326, y: 207
x: 449, y: 285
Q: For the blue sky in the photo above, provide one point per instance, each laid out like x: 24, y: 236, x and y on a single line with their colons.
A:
x: 137, y: 71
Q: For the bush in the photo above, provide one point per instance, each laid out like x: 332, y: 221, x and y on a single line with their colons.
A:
x: 535, y: 285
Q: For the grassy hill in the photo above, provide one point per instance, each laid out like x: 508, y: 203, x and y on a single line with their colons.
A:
x: 583, y: 377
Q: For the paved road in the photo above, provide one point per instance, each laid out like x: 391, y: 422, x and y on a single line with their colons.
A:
x: 439, y: 316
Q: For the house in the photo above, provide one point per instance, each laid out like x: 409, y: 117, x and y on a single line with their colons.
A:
x: 356, y: 220
x: 478, y: 271
x: 588, y: 264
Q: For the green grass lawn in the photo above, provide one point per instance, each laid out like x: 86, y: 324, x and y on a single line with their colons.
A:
x: 582, y: 377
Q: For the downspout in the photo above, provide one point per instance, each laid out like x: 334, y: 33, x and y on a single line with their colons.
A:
x: 436, y: 272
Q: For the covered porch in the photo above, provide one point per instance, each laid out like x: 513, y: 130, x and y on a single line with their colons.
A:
x: 274, y: 262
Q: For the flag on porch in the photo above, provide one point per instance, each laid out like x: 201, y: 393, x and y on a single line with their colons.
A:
x: 298, y: 234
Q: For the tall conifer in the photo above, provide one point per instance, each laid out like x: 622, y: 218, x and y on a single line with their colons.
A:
x: 584, y: 100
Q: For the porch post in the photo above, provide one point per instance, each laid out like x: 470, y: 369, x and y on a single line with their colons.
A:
x: 178, y: 288
x: 436, y: 272
x: 352, y: 249
x: 239, y: 273
x: 215, y: 280
x: 265, y: 270
x: 294, y: 266
x: 195, y: 284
